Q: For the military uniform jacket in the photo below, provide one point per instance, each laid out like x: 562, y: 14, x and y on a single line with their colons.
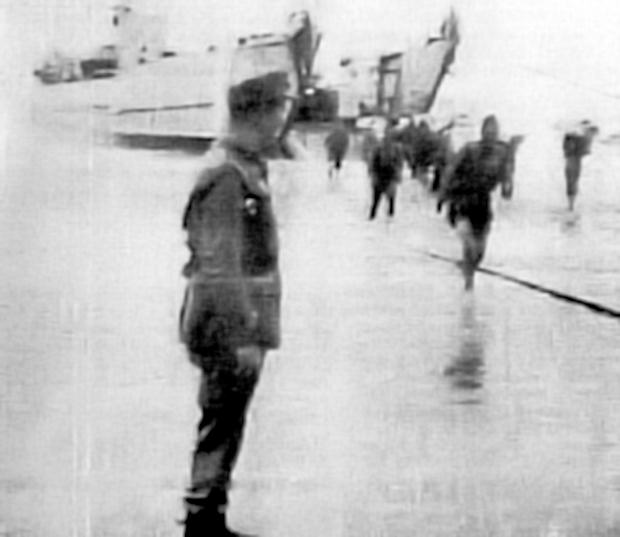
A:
x: 575, y: 145
x: 478, y: 168
x: 233, y: 291
x: 386, y: 165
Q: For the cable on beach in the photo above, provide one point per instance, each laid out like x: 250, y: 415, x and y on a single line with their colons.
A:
x: 595, y: 307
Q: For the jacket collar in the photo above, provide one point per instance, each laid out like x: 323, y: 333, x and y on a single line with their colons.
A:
x: 243, y: 151
x: 251, y: 163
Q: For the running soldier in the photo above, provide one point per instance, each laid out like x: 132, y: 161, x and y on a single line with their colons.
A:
x: 468, y: 183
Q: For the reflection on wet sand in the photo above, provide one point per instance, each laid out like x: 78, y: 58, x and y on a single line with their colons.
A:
x: 466, y: 370
x: 351, y: 432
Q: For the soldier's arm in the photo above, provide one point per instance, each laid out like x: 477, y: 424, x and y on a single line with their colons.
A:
x: 346, y: 141
x: 401, y: 153
x: 448, y: 179
x: 328, y: 140
x: 446, y: 127
x: 373, y: 164
x: 567, y: 145
x: 507, y: 168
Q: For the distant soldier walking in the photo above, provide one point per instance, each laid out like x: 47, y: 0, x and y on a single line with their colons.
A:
x: 408, y: 138
x: 337, y: 144
x: 385, y: 169
x: 424, y: 148
x: 576, y: 144
x: 230, y: 315
x: 469, y: 181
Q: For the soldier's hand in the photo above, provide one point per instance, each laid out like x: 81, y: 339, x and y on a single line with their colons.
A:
x: 249, y: 358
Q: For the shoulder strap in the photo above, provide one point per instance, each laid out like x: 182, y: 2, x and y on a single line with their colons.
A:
x: 257, y: 187
x: 240, y: 169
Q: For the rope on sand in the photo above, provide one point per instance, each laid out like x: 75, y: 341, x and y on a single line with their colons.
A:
x: 592, y: 306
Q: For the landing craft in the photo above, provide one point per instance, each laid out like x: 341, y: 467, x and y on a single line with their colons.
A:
x: 188, y: 106
x: 401, y: 83
x: 163, y: 101
x: 134, y: 38
x: 185, y: 96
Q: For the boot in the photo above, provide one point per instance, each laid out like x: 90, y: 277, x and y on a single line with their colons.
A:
x: 209, y: 524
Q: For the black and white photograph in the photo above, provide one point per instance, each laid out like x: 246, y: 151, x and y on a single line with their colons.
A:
x: 310, y: 268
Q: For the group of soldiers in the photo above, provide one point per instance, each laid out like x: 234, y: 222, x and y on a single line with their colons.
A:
x: 385, y: 151
x: 230, y: 316
x: 463, y: 181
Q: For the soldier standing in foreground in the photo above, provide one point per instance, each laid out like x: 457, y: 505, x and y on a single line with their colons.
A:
x: 468, y: 183
x: 230, y: 315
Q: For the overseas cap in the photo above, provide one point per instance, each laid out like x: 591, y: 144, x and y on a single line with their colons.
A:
x: 259, y: 93
x: 262, y: 73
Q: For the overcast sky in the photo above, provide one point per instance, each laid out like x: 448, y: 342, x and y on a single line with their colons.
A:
x: 534, y: 25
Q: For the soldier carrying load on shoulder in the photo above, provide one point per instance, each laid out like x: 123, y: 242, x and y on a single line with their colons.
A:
x: 576, y: 145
